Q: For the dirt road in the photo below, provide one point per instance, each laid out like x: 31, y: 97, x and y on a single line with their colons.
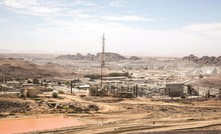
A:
x: 143, y: 115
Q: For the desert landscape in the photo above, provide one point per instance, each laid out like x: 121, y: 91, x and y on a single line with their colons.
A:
x: 110, y: 67
x: 134, y: 97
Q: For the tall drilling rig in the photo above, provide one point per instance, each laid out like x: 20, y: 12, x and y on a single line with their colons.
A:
x: 102, y: 60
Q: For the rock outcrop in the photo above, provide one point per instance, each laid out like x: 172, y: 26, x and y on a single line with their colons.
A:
x: 191, y: 58
x: 134, y: 58
x: 204, y: 59
x: 109, y: 57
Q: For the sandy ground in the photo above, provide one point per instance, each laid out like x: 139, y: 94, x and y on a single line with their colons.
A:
x: 143, y: 115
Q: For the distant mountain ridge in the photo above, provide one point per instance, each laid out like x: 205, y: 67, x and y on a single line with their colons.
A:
x: 19, y: 68
x: 134, y: 58
x: 109, y: 57
x: 204, y: 59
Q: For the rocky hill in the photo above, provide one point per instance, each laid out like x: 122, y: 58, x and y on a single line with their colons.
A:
x: 109, y: 57
x: 134, y: 58
x: 191, y: 58
x: 19, y: 68
x: 204, y: 59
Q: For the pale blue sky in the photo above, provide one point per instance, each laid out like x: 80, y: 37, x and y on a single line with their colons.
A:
x: 142, y: 27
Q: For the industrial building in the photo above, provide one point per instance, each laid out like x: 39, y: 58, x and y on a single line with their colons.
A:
x: 174, y: 89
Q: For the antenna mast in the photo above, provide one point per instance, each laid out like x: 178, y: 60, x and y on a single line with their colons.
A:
x: 102, y: 60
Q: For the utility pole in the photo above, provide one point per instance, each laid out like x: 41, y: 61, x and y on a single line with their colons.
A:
x: 102, y: 60
x: 219, y: 93
x: 71, y: 86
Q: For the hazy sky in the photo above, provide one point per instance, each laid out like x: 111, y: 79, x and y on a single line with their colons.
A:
x: 144, y: 27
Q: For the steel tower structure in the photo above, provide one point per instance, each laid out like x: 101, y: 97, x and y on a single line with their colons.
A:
x: 102, y: 60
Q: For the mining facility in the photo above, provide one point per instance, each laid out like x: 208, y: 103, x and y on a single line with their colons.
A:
x: 109, y: 93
